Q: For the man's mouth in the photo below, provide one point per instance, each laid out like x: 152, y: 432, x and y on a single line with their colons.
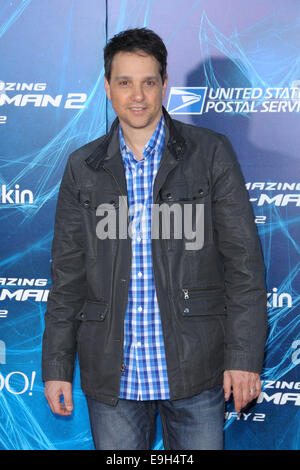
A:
x: 137, y: 109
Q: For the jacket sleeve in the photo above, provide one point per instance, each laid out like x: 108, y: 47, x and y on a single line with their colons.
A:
x: 239, y: 246
x: 68, y: 290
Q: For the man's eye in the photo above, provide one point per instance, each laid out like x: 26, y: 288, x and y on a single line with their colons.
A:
x: 150, y: 83
x: 124, y: 83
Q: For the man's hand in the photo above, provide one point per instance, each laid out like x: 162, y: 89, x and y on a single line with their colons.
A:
x: 245, y: 386
x: 53, y: 391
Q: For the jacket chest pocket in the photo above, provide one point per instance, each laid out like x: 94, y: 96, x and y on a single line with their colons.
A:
x: 182, y: 211
x: 100, y: 220
x: 181, y: 192
x: 91, y: 199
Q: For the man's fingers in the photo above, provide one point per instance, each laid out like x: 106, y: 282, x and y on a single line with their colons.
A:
x: 254, y: 388
x: 227, y: 385
x: 60, y: 407
x: 239, y: 396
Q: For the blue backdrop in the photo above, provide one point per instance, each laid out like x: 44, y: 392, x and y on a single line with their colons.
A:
x: 232, y: 69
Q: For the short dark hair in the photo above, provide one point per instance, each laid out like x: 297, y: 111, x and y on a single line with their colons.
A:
x: 132, y: 40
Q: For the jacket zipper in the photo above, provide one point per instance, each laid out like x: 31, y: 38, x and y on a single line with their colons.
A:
x: 123, y: 365
x: 120, y: 190
x: 191, y: 290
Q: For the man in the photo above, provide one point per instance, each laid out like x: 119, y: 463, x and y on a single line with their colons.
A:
x: 159, y: 323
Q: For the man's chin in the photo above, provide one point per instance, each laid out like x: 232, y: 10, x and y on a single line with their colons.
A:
x: 141, y: 122
x: 138, y: 123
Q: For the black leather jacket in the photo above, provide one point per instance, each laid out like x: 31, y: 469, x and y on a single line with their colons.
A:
x: 212, y: 300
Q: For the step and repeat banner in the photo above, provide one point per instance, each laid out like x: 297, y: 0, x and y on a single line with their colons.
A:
x: 234, y: 67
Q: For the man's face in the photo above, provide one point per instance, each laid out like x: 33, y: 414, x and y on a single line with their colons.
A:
x: 136, y: 90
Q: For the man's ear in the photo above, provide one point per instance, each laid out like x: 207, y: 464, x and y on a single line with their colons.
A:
x: 165, y: 84
x: 107, y: 87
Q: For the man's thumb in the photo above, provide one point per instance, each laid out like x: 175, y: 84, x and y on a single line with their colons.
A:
x: 68, y: 399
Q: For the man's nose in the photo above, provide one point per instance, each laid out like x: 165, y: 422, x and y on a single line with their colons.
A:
x: 137, y: 92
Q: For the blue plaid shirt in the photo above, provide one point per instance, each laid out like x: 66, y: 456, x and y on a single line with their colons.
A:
x: 145, y: 376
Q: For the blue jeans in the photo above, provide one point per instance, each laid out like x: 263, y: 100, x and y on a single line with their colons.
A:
x: 194, y: 423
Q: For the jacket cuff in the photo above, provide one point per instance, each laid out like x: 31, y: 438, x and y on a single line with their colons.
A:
x: 235, y: 360
x: 57, y: 371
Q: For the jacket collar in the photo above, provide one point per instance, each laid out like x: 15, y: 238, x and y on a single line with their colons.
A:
x: 110, y: 145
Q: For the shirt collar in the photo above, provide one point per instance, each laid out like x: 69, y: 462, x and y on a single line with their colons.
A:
x: 153, y: 144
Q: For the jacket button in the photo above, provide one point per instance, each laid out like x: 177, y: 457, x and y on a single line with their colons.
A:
x: 86, y: 203
x: 169, y: 196
x: 82, y: 315
x: 123, y: 368
x: 186, y: 310
x: 101, y: 316
x: 200, y: 191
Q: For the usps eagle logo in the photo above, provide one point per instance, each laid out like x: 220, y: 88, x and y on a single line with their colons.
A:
x: 186, y: 100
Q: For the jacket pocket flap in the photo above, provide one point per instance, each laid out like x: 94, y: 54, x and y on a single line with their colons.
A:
x: 201, y: 306
x: 183, y: 193
x: 95, y: 311
x: 89, y: 198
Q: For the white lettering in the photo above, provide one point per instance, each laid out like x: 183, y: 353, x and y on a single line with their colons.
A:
x: 21, y: 295
x: 15, y: 196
